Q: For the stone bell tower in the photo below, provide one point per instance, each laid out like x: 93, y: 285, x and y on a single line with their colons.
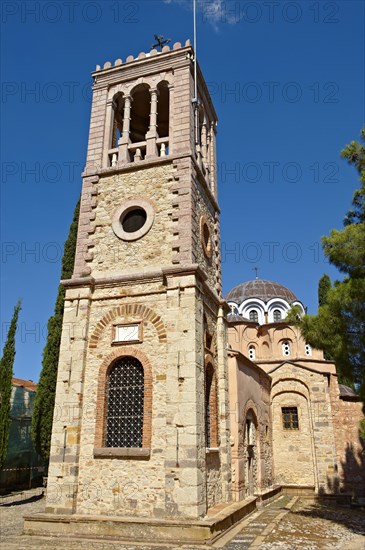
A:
x: 141, y: 420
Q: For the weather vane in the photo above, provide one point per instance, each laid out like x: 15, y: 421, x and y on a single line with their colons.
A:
x: 160, y: 42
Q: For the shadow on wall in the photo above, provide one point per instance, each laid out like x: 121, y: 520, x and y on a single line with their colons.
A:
x: 353, y: 467
x: 351, y: 479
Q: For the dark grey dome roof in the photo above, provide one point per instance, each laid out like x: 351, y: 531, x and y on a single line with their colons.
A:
x: 258, y: 288
x: 235, y: 318
x: 346, y: 391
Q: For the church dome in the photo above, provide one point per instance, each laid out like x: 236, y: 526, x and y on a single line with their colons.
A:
x: 263, y: 290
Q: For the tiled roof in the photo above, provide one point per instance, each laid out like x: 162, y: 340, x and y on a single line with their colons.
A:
x: 235, y: 318
x: 258, y: 288
x: 346, y: 391
x: 27, y: 384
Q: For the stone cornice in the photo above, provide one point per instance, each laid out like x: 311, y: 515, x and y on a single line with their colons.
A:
x: 173, y: 271
x: 299, y: 363
x: 150, y: 163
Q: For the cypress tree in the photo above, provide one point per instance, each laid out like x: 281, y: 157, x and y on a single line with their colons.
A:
x: 45, y: 399
x: 324, y: 286
x: 6, y: 374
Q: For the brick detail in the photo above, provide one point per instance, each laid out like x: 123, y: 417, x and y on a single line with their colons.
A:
x: 129, y: 310
x: 101, y: 408
x: 213, y: 403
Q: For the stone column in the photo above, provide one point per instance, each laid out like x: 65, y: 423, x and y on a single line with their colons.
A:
x: 204, y: 142
x: 124, y: 141
x: 109, y: 128
x: 171, y: 118
x: 152, y: 135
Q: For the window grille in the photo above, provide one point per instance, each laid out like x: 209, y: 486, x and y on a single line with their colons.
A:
x: 124, y: 426
x: 290, y: 418
x: 254, y: 316
x: 277, y: 315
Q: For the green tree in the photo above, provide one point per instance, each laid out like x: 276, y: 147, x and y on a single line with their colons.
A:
x: 6, y: 374
x: 339, y: 326
x: 45, y: 399
x: 324, y: 286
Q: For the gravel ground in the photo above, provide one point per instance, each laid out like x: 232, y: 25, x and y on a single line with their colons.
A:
x: 307, y: 526
x: 311, y: 526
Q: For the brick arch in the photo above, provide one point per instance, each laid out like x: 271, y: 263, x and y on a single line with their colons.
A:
x: 251, y: 405
x: 287, y: 383
x: 129, y: 310
x: 101, y: 403
x: 210, y: 370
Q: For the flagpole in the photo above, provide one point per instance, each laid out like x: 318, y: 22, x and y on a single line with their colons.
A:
x: 195, y: 100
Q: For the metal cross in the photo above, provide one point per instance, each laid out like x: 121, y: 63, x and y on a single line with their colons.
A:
x: 160, y: 42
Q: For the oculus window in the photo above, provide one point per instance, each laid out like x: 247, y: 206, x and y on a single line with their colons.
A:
x: 133, y: 219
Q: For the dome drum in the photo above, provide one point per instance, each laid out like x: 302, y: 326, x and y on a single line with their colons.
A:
x: 262, y: 301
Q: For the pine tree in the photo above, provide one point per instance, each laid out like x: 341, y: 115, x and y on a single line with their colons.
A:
x: 6, y: 374
x: 45, y: 399
x: 339, y: 327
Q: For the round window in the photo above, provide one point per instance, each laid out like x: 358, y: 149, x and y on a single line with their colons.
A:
x: 133, y: 219
x: 205, y: 237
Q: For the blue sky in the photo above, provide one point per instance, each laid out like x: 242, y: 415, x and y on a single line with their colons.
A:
x: 287, y: 81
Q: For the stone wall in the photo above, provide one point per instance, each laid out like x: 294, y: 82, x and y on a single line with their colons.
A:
x: 111, y: 255
x: 307, y: 455
x: 249, y: 391
x: 349, y: 476
x: 292, y: 449
x: 214, y: 479
x: 171, y: 479
x: 267, y: 342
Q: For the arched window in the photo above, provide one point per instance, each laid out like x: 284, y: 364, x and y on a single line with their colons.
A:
x: 211, y: 408
x: 277, y: 315
x: 254, y: 316
x: 118, y: 108
x: 140, y: 113
x: 163, y: 111
x: 285, y: 346
x: 251, y: 352
x: 125, y: 398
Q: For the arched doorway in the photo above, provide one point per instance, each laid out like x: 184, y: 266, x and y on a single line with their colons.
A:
x: 251, y: 453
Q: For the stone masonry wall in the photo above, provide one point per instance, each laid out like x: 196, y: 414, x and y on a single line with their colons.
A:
x: 307, y: 455
x: 292, y: 449
x: 347, y: 414
x: 203, y: 208
x: 111, y: 255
